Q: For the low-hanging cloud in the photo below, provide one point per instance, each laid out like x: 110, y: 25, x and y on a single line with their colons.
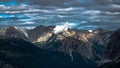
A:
x: 61, y: 28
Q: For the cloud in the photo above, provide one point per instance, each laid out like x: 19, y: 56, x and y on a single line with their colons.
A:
x: 66, y: 9
x: 61, y: 28
x: 92, y: 12
x: 79, y: 12
x: 103, y: 2
x: 28, y: 23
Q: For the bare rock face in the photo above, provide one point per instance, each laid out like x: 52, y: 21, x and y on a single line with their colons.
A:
x: 112, y: 52
x: 113, y: 48
x: 40, y: 31
x: 15, y: 32
x: 44, y: 37
x: 71, y: 45
x: 2, y: 31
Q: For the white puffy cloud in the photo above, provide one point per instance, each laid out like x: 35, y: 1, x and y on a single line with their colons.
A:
x: 61, y: 28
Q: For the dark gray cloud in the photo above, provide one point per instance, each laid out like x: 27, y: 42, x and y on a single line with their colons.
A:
x: 103, y: 2
x: 68, y: 2
x: 78, y: 2
x: 4, y: 0
x: 84, y: 14
x: 61, y: 2
x: 107, y: 5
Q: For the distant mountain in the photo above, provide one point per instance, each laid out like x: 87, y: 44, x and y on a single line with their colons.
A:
x: 71, y: 48
x: 13, y: 31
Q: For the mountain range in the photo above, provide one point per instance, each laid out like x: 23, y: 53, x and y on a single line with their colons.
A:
x: 41, y: 48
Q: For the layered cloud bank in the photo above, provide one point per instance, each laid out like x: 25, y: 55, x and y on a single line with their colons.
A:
x: 97, y: 4
x: 82, y: 14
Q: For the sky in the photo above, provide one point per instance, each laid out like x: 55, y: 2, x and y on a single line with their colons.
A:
x: 85, y: 13
x: 108, y: 5
x: 72, y: 2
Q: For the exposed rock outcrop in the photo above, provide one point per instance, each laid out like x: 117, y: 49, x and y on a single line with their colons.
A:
x: 15, y: 32
x: 38, y: 32
x: 2, y: 31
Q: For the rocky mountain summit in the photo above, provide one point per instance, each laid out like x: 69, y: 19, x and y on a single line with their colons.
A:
x: 79, y: 46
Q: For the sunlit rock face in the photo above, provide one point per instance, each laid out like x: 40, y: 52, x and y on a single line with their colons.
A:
x: 39, y: 33
x: 45, y: 33
x: 83, y: 35
x: 44, y: 37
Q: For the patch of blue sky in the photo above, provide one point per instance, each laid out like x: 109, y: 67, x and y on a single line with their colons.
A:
x: 13, y: 16
x: 22, y: 16
x: 4, y: 16
x: 13, y: 3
